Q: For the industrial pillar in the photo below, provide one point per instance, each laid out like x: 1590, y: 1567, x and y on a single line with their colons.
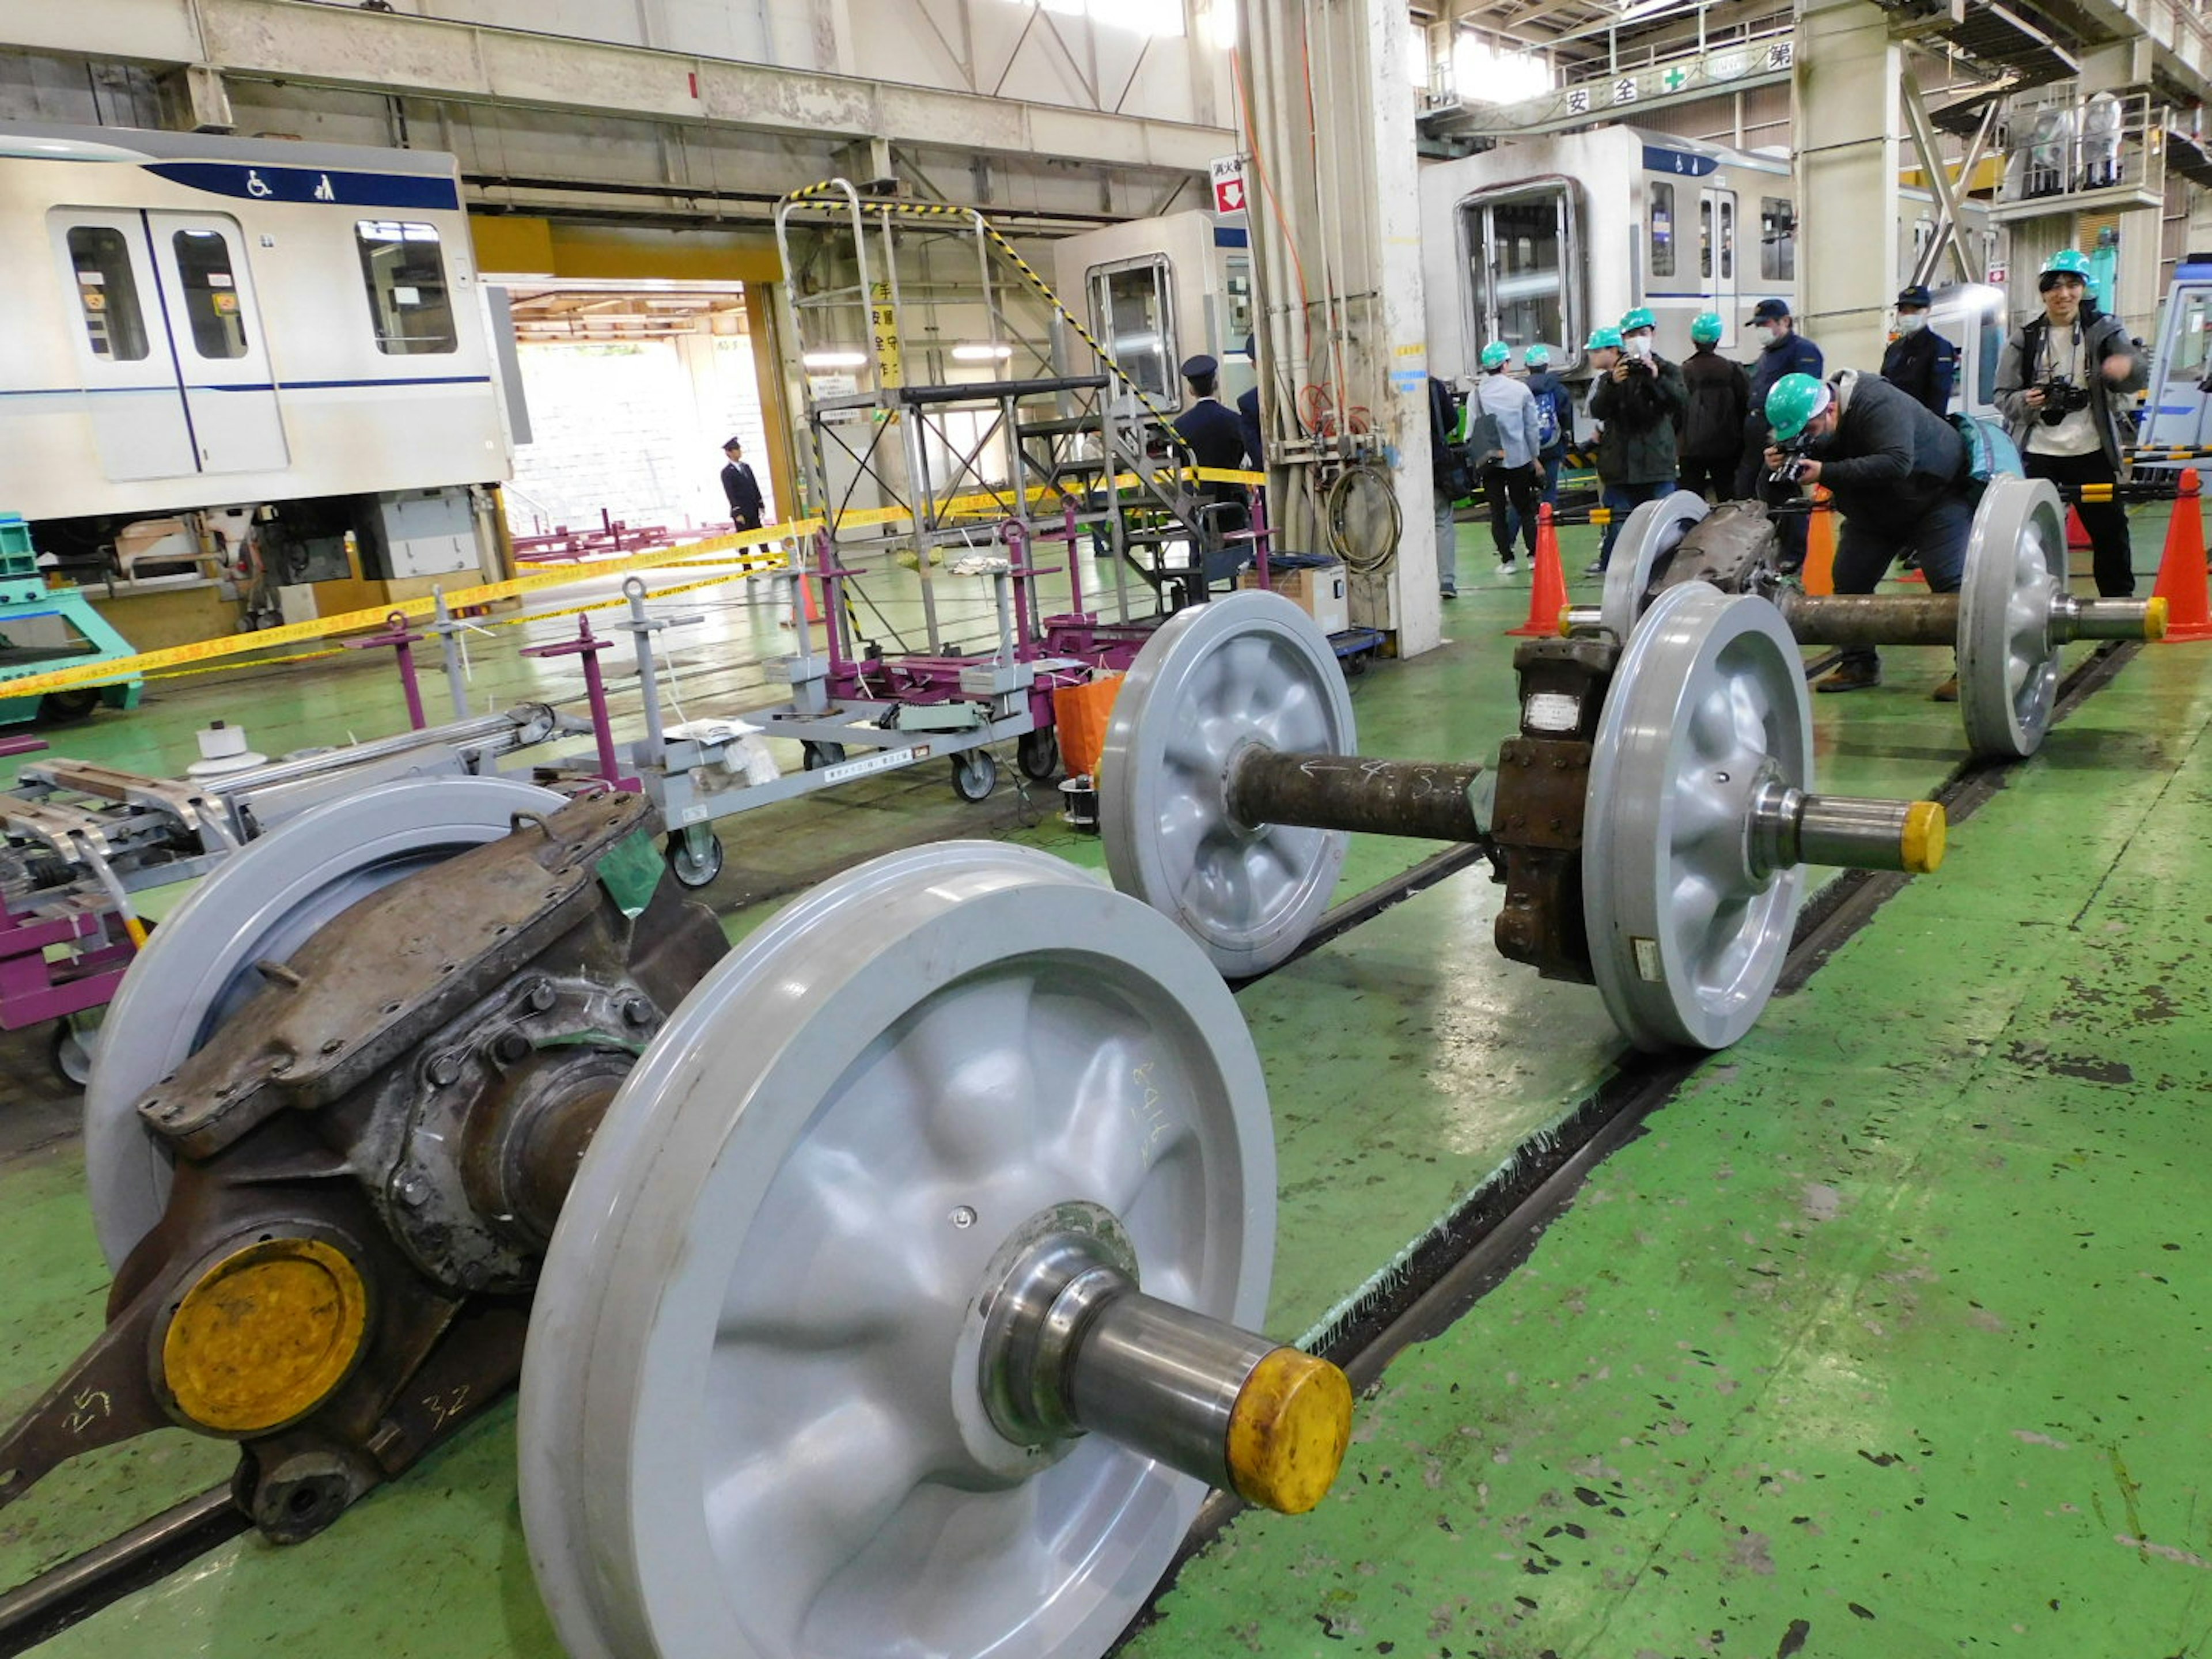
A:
x: 1846, y: 123
x: 1326, y: 102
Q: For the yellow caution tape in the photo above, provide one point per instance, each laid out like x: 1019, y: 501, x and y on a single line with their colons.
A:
x: 352, y: 621
x: 751, y: 546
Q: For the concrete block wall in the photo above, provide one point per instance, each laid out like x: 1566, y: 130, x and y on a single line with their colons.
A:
x: 636, y: 428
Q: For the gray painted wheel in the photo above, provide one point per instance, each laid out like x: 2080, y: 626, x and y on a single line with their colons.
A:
x: 695, y: 855
x: 1640, y: 553
x: 1709, y: 703
x: 751, y: 1423
x: 2007, y: 664
x: 974, y: 775
x: 263, y: 901
x: 1250, y: 667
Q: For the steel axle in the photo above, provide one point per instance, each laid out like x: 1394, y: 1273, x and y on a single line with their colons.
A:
x: 1864, y: 619
x: 1443, y: 801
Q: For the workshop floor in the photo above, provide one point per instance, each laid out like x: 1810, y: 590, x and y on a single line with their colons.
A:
x: 1408, y: 1063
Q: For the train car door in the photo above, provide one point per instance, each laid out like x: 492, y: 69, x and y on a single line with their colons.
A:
x: 1132, y: 312
x: 2178, y: 411
x: 1717, y: 243
x: 230, y: 394
x: 133, y: 396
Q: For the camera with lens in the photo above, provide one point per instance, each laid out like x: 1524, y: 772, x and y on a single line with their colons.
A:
x: 1795, y: 453
x: 2061, y: 397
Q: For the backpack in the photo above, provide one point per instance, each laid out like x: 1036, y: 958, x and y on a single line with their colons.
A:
x: 1991, y: 451
x: 1547, y: 419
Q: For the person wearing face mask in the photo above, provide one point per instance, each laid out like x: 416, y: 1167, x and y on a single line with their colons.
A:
x: 1637, y: 396
x: 1919, y: 360
x: 1783, y: 351
x: 2062, y: 384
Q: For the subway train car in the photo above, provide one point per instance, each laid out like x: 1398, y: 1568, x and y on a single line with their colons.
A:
x: 1540, y: 240
x: 242, y: 331
x: 2178, y: 411
x: 1157, y: 291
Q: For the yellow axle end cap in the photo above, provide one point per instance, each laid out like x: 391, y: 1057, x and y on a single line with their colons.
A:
x: 1288, y: 1431
x: 265, y: 1335
x: 2156, y: 614
x: 1925, y: 828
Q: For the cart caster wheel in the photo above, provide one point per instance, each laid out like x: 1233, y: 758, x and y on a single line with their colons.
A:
x: 974, y: 775
x: 67, y: 708
x: 1038, y: 755
x: 819, y: 755
x: 70, y: 1054
x: 694, y: 857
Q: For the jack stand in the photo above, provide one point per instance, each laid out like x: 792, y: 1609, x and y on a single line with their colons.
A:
x: 588, y: 645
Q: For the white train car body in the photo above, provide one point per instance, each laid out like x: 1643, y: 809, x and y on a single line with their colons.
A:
x: 1156, y: 292
x: 189, y: 321
x: 1540, y: 240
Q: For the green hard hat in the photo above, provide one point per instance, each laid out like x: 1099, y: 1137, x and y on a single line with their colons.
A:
x: 1495, y: 354
x: 1705, y: 328
x: 1796, y: 399
x: 1601, y: 337
x: 2067, y: 262
x: 1536, y: 357
x: 1640, y: 317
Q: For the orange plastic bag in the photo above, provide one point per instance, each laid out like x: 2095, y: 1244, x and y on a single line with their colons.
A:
x: 1079, y: 714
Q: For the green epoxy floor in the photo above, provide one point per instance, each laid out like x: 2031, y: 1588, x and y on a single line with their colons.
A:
x: 1887, y: 1339
x: 1408, y: 1064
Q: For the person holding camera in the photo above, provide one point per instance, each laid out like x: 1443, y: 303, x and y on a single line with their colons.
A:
x: 1900, y: 477
x: 1637, y: 395
x: 2061, y: 384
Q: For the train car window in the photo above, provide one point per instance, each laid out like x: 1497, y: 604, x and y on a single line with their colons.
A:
x: 1778, y: 240
x: 1662, y: 229
x: 107, y: 293
x: 2186, y: 355
x: 1706, y: 215
x: 405, y: 275
x: 211, y: 303
x: 1132, y: 305
x: 1727, y: 238
x: 1993, y: 346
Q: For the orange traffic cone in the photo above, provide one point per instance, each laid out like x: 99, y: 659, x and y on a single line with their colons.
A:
x: 2077, y: 533
x: 2181, y: 568
x: 1818, y: 575
x: 1548, y: 594
x: 807, y: 590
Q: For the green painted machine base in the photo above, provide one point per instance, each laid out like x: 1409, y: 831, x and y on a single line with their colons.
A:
x: 95, y: 640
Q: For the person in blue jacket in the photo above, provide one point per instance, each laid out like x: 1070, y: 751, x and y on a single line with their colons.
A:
x: 1784, y: 352
x: 1555, y: 426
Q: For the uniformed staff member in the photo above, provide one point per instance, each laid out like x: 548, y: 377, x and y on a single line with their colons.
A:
x: 1920, y: 361
x: 1210, y: 428
x: 742, y: 489
x: 1900, y: 477
x: 1248, y: 415
x: 1215, y: 438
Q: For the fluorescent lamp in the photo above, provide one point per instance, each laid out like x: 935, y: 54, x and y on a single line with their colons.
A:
x: 980, y: 354
x: 835, y: 360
